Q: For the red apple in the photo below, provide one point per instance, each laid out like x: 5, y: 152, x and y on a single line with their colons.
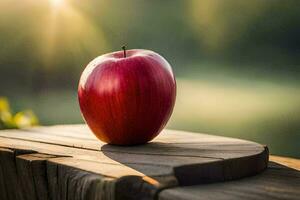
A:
x: 127, y: 97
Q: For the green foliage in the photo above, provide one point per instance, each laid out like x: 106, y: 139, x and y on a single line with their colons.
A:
x: 21, y: 119
x: 41, y: 43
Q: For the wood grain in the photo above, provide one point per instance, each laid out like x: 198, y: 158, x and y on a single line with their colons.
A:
x: 288, y: 162
x: 31, y: 170
x: 9, y: 172
x: 59, y: 161
x: 277, y: 182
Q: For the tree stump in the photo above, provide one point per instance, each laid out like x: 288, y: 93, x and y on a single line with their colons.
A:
x: 68, y: 162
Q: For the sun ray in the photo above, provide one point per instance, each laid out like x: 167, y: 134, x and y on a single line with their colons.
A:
x: 68, y: 28
x: 57, y: 3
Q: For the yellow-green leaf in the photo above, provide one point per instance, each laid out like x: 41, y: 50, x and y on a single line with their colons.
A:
x: 4, y: 105
x: 25, y: 119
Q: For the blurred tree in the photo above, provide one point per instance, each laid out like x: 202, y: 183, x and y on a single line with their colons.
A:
x: 45, y: 44
x: 257, y: 31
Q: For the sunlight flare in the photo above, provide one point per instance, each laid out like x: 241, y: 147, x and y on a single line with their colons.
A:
x: 57, y: 3
x: 69, y: 30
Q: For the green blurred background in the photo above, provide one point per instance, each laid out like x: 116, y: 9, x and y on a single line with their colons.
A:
x: 237, y: 62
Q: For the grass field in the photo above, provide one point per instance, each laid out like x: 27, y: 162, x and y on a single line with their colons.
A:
x: 260, y: 111
x: 264, y: 111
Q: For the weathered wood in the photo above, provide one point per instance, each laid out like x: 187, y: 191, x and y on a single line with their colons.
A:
x: 70, y: 183
x: 66, y: 162
x: 3, y: 192
x: 9, y: 172
x: 288, y: 162
x: 31, y: 170
x: 277, y: 182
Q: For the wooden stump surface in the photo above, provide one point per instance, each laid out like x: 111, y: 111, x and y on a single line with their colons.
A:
x: 68, y: 162
x: 280, y: 181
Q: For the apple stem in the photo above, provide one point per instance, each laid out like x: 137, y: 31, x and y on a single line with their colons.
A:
x: 124, y: 50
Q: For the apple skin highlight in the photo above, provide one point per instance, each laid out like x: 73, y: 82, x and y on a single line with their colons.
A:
x: 127, y: 97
